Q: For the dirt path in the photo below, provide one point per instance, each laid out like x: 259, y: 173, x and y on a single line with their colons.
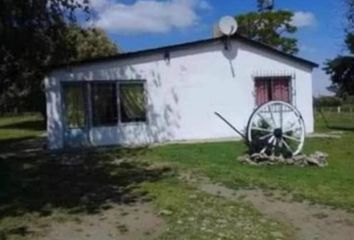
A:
x: 309, y: 222
x: 120, y: 222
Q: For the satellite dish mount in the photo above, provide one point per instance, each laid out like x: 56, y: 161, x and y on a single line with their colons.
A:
x: 228, y: 27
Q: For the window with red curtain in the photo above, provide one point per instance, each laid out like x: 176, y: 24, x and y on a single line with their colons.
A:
x: 272, y: 88
x: 262, y: 93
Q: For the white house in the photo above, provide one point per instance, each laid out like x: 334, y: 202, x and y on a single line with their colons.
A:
x: 170, y: 94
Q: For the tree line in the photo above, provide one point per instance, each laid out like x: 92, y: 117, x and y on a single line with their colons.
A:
x: 37, y: 34
x: 341, y: 68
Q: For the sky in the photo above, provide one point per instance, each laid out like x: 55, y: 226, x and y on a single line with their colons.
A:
x: 140, y: 24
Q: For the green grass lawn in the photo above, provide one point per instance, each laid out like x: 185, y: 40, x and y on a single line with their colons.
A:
x: 17, y: 127
x: 326, y: 121
x: 332, y: 185
x: 35, y: 185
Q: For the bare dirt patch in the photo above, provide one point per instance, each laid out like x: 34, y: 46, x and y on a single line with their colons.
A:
x: 308, y: 221
x: 121, y: 222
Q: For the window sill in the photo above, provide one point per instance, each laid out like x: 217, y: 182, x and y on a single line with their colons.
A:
x: 133, y: 123
x: 121, y: 124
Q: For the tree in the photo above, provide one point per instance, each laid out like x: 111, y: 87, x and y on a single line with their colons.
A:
x: 36, y: 34
x: 273, y: 28
x: 89, y: 43
x: 341, y: 68
x: 350, y: 14
x: 31, y: 36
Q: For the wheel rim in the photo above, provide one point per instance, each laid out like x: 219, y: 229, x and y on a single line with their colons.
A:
x: 276, y: 128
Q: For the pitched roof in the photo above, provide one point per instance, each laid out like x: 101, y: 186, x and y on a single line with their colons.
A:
x: 187, y: 45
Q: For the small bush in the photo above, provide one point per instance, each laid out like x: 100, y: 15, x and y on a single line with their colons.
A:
x: 349, y: 100
x: 327, y: 101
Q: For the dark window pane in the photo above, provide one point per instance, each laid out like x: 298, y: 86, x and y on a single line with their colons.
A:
x: 132, y: 101
x: 104, y: 104
x: 74, y: 101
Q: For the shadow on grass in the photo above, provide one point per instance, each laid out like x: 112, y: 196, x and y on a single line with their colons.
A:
x: 341, y: 128
x: 21, y: 148
x: 85, y: 181
x: 35, y: 125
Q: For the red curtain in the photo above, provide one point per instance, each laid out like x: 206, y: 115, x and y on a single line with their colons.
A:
x: 280, y: 89
x: 272, y: 88
x: 261, y: 91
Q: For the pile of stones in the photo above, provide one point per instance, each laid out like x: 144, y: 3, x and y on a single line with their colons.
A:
x: 318, y: 159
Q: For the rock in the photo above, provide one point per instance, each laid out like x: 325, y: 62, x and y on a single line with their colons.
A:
x: 165, y: 212
x: 261, y: 159
x: 221, y: 221
x: 193, y: 196
x: 256, y: 157
x: 289, y: 161
x: 243, y: 158
x: 250, y: 162
x: 312, y: 160
x: 277, y: 234
x: 317, y: 159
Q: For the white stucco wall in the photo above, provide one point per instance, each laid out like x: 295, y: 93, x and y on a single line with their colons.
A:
x: 184, y: 93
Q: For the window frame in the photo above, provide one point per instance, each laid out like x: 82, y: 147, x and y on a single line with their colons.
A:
x: 270, y: 79
x: 132, y: 82
x: 87, y: 86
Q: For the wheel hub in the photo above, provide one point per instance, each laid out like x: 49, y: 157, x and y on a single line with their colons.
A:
x: 278, y: 133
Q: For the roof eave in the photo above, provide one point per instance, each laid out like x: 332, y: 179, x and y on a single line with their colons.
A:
x: 183, y: 46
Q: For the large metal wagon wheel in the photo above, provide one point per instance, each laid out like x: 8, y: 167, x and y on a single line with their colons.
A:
x: 276, y: 128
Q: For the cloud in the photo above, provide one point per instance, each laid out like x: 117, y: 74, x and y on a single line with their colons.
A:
x: 304, y: 19
x: 147, y: 16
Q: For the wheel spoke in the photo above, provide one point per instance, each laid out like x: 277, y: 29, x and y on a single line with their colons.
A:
x: 291, y: 138
x: 269, y: 142
x: 262, y: 129
x: 266, y: 136
x: 272, y: 116
x: 291, y: 129
x: 275, y: 141
x: 287, y: 146
x: 264, y: 149
x: 281, y: 116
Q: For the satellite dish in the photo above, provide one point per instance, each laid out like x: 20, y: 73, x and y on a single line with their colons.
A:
x: 228, y: 25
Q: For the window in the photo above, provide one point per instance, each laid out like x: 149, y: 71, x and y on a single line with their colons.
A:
x: 100, y: 99
x: 132, y: 102
x: 104, y: 104
x: 272, y: 88
x: 74, y: 103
